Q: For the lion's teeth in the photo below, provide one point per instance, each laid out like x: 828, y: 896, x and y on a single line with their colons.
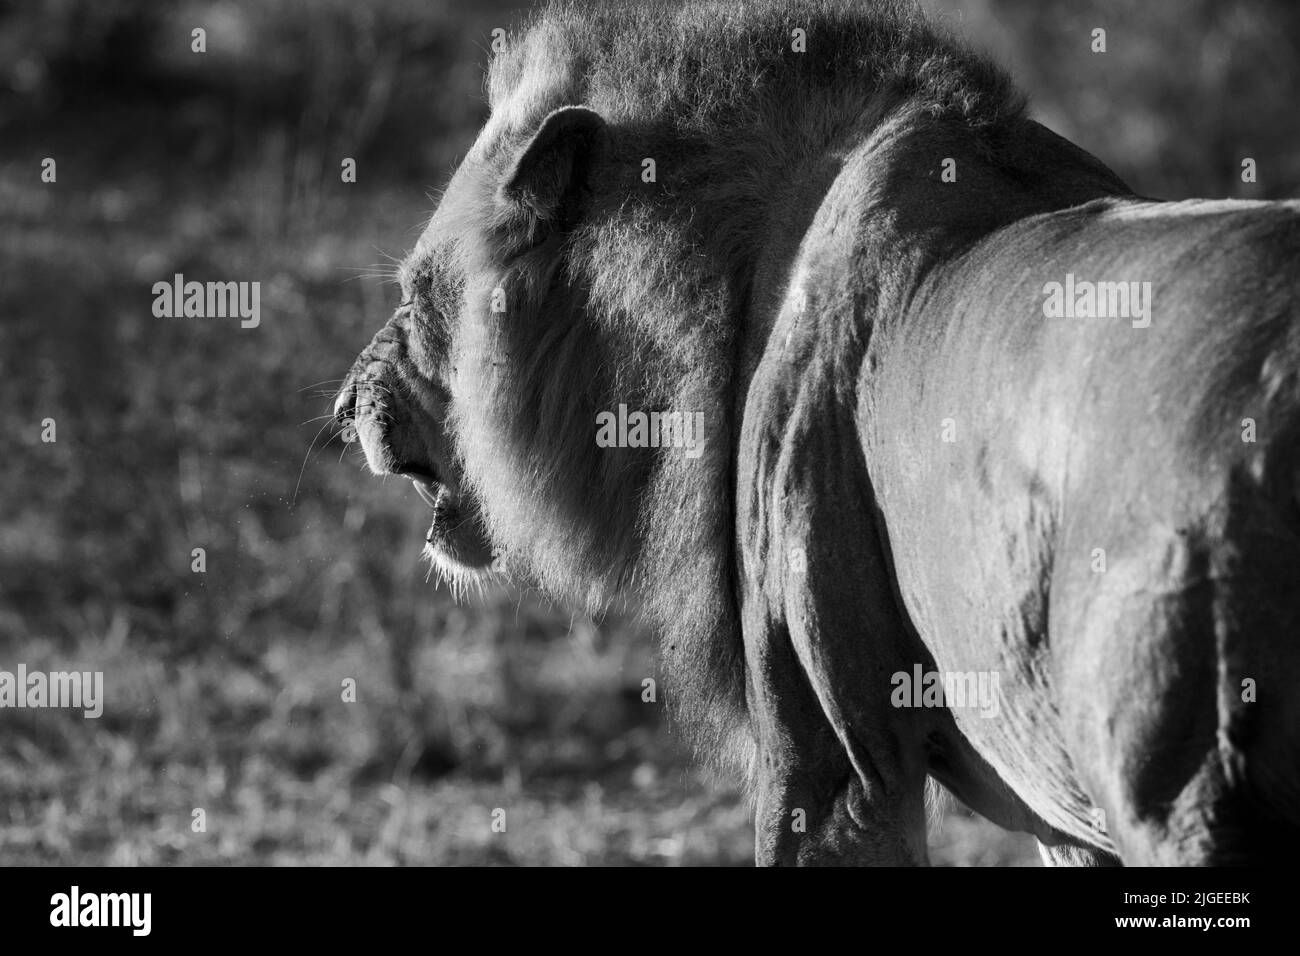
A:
x: 425, y: 491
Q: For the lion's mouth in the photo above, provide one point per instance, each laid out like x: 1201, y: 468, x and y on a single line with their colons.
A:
x: 452, y: 539
x: 432, y: 492
x: 429, y: 491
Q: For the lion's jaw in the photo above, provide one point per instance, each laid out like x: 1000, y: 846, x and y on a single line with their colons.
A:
x: 397, y: 416
x: 455, y: 542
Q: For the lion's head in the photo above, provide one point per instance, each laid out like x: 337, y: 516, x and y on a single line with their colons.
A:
x: 521, y: 329
x: 559, y: 289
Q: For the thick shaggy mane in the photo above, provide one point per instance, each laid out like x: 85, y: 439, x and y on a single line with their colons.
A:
x: 643, y: 302
x: 712, y: 67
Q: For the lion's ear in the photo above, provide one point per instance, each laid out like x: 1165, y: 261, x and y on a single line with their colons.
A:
x: 551, y: 171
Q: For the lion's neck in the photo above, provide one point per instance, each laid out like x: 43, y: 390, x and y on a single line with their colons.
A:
x: 904, y: 193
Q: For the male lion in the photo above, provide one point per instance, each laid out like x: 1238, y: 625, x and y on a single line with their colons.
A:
x: 970, y: 420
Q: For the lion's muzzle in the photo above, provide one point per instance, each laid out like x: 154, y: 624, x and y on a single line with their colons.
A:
x: 395, y: 415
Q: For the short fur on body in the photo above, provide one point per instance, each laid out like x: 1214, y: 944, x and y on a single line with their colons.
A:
x: 799, y: 272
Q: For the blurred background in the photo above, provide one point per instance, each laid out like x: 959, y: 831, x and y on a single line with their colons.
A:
x: 223, y: 688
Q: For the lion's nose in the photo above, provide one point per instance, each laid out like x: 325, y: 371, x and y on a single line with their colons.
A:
x: 357, y: 412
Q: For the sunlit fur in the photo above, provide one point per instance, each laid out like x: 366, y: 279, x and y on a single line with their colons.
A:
x: 459, y: 579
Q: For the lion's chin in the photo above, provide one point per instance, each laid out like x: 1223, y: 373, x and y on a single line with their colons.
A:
x: 447, y: 564
x: 454, y: 544
x: 461, y: 576
x: 449, y: 559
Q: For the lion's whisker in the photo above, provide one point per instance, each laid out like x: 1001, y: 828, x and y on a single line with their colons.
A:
x: 327, y: 381
x: 293, y: 499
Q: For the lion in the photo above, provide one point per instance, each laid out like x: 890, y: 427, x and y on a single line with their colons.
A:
x: 930, y: 451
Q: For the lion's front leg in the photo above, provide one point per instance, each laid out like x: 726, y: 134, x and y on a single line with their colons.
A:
x: 841, y: 772
x: 796, y: 826
x: 835, y: 785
